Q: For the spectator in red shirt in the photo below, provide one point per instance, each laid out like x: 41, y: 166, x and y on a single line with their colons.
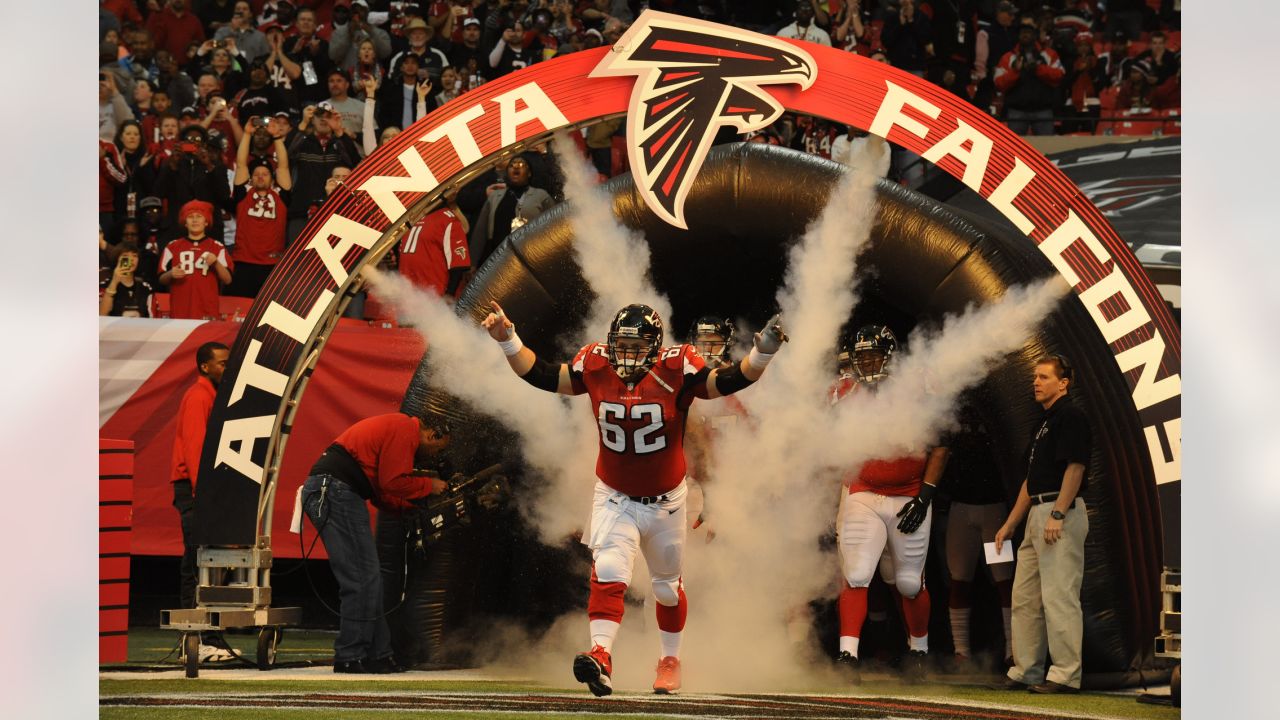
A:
x: 433, y: 254
x: 372, y: 460
x: 174, y: 28
x: 194, y: 266
x: 262, y: 216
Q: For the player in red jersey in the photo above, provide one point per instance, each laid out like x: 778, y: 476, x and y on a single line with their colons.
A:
x: 433, y: 254
x: 193, y: 266
x: 640, y: 394
x: 884, y: 512
x: 712, y: 338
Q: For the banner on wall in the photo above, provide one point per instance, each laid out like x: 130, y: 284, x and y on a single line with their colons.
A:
x: 146, y: 365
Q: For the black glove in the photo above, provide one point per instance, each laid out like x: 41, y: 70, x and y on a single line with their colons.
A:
x: 914, y: 512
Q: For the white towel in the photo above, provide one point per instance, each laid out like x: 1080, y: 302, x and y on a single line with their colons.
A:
x: 295, y: 523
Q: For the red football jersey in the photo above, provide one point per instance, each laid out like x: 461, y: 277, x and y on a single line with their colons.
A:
x: 261, y: 219
x: 194, y: 296
x: 641, y: 427
x: 897, y: 477
x: 435, y: 245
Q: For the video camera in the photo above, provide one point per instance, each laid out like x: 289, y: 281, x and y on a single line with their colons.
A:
x: 439, y: 514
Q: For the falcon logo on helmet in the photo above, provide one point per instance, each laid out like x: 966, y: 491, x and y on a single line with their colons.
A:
x: 635, y: 337
x: 712, y: 337
x: 873, y: 348
x: 692, y: 78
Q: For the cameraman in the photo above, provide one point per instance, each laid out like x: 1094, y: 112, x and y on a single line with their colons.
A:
x: 372, y: 460
x: 1029, y: 76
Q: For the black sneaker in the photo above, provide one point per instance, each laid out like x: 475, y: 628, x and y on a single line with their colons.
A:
x: 384, y: 666
x: 848, y: 666
x: 353, y: 667
x: 913, y: 666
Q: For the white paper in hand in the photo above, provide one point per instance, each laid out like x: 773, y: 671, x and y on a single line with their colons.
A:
x: 1003, y: 556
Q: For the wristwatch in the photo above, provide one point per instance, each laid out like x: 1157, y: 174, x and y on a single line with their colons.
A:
x: 1057, y: 515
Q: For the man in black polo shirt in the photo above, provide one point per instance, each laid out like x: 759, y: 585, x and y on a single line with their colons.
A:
x: 1046, y: 585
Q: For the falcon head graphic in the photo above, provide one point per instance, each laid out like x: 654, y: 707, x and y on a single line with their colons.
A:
x: 692, y: 78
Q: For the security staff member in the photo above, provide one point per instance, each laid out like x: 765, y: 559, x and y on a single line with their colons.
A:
x: 372, y: 460
x: 1046, y: 584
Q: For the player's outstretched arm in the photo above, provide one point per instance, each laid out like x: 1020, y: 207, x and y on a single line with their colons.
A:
x: 523, y: 361
x: 730, y: 380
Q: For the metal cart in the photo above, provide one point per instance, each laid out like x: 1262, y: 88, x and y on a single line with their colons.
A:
x: 234, y: 591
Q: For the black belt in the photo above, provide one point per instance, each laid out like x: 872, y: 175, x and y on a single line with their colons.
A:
x: 1050, y: 497
x: 338, y: 463
x: 648, y: 499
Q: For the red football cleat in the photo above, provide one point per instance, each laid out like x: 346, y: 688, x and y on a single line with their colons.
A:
x: 668, y: 681
x: 594, y: 668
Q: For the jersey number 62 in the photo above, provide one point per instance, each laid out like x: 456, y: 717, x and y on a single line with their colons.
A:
x: 614, y: 437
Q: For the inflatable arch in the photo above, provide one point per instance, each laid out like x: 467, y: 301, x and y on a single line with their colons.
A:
x: 1131, y: 343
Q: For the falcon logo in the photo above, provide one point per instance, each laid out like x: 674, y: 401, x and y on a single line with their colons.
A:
x: 692, y: 78
x: 1116, y: 196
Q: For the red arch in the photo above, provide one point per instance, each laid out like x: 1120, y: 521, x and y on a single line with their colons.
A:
x: 285, y: 328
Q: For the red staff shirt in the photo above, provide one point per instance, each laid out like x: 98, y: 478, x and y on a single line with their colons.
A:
x: 193, y: 418
x: 384, y: 445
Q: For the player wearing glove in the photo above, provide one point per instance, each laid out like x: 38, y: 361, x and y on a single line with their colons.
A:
x: 886, y: 505
x: 640, y: 394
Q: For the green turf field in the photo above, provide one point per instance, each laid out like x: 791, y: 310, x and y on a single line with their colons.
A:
x: 151, y: 686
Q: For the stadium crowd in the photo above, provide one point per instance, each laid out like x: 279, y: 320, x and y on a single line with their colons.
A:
x: 242, y: 116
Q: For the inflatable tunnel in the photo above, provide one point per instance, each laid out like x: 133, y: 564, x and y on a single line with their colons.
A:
x: 748, y: 205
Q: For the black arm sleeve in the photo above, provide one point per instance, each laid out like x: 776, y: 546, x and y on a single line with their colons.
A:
x: 543, y: 375
x: 730, y: 380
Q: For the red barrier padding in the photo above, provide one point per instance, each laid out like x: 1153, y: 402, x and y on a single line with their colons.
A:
x: 115, y: 523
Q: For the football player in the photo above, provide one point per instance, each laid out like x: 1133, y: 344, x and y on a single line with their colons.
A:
x: 712, y: 337
x: 640, y: 395
x: 886, y: 506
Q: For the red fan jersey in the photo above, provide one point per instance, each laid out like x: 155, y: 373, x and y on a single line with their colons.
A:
x: 819, y: 136
x: 435, y: 245
x: 897, y: 477
x: 641, y: 427
x: 261, y: 218
x: 195, y: 295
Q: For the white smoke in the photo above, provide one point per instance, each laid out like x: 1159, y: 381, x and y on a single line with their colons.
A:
x: 749, y: 589
x: 613, y: 257
x: 775, y: 488
x: 916, y: 405
x: 466, y: 361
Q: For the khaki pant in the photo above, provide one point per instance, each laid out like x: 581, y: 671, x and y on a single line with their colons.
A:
x: 1046, y: 599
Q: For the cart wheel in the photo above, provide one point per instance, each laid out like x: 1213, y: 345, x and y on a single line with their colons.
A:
x: 191, y: 653
x: 1175, y: 686
x: 268, y: 639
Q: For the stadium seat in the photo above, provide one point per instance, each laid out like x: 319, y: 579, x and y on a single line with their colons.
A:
x: 234, y: 308
x: 1107, y: 98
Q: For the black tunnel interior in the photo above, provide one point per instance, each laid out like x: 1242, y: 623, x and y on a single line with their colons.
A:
x: 748, y: 205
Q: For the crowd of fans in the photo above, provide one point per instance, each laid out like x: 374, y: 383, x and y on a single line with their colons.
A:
x: 242, y: 116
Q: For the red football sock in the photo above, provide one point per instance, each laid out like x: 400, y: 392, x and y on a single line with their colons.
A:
x: 853, y: 610
x: 916, y: 612
x: 605, y: 602
x: 671, y: 618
